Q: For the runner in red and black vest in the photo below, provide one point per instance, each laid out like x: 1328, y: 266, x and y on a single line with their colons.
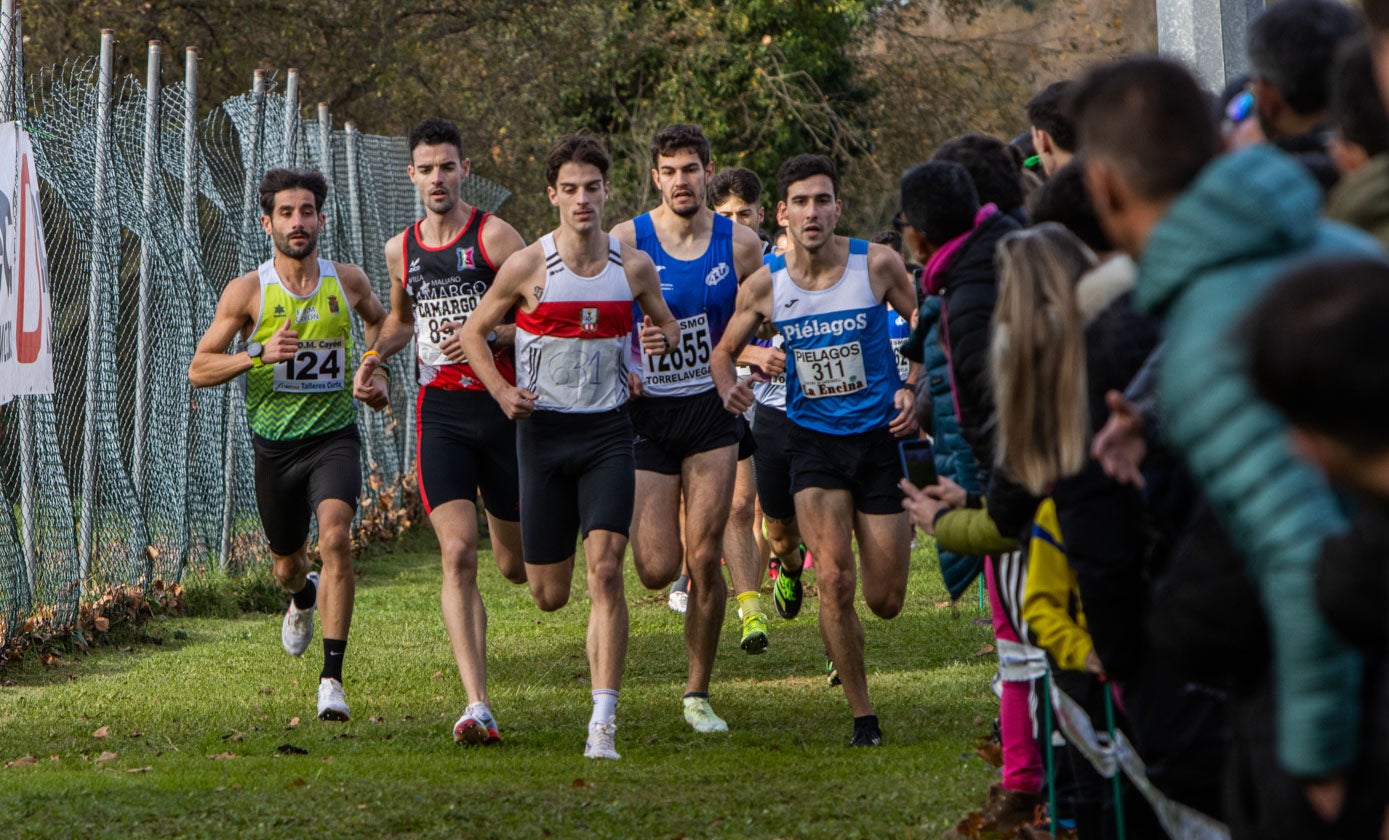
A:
x: 440, y: 268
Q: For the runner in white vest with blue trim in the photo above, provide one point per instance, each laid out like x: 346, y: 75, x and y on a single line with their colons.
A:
x: 847, y: 407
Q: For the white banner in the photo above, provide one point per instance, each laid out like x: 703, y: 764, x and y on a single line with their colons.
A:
x: 26, y: 338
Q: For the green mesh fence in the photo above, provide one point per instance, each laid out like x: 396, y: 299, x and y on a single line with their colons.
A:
x: 165, y: 468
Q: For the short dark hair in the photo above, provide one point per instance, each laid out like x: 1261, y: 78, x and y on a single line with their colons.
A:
x: 1377, y: 13
x: 436, y: 132
x: 1063, y: 199
x: 741, y: 183
x: 678, y: 138
x: 939, y: 199
x: 889, y: 237
x: 576, y: 148
x: 1317, y: 351
x: 992, y: 166
x: 1046, y: 110
x: 278, y: 180
x: 1292, y: 46
x: 1355, y: 104
x: 800, y: 167
x: 1150, y: 118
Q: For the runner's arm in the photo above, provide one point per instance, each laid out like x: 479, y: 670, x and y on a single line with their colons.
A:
x: 500, y: 240
x: 506, y: 292
x: 646, y: 290
x: 747, y: 252
x: 754, y: 304
x: 399, y: 326
x: 211, y: 364
x: 890, y: 277
x: 364, y: 300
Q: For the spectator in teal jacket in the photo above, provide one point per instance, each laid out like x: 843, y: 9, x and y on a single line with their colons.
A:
x: 1210, y: 236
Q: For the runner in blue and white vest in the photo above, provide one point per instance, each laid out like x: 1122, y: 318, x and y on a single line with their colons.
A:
x: 847, y: 405
x: 686, y: 444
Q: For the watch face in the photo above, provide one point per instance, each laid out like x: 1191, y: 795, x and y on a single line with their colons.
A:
x: 253, y: 349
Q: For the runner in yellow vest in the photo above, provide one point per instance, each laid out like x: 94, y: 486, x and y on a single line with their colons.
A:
x: 292, y: 313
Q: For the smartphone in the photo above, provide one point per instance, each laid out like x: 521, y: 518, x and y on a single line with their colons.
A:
x: 918, y: 462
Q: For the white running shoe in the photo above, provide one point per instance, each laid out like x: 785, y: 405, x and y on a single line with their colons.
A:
x: 332, y: 703
x: 679, y: 600
x: 477, y: 726
x: 600, y: 740
x: 297, y: 630
x: 700, y: 715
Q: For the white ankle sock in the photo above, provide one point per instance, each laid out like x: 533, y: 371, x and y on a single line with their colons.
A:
x: 604, y: 705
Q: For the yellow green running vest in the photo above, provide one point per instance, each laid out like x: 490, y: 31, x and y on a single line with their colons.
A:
x: 310, y: 394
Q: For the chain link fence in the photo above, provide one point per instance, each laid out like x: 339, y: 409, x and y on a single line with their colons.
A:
x: 127, y: 475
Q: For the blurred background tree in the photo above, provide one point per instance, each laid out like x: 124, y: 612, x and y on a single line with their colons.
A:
x: 877, y: 84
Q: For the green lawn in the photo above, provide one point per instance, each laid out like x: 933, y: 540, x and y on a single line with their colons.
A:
x: 223, y: 685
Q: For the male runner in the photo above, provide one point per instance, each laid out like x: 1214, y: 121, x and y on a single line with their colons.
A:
x: 440, y: 267
x: 685, y: 443
x: 574, y: 291
x: 846, y: 404
x: 297, y: 357
x: 736, y: 194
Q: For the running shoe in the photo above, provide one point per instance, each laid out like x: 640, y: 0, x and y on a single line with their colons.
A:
x: 297, y: 630
x: 788, y: 594
x: 831, y: 672
x: 866, y: 735
x: 600, y: 740
x: 755, y: 633
x: 476, y: 727
x: 332, y: 703
x: 679, y: 600
x: 700, y: 715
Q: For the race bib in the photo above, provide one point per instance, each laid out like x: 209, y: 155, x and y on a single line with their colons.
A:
x: 688, y: 360
x: 831, y: 371
x: 904, y: 365
x: 431, y: 315
x: 316, y: 367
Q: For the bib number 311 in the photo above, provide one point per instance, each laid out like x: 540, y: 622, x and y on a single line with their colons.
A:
x: 317, y: 367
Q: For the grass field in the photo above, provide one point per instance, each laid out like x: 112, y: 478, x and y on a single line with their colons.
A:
x: 212, y: 733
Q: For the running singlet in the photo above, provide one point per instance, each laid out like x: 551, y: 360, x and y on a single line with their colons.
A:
x: 702, y: 294
x: 446, y: 284
x: 840, y: 374
x: 310, y: 394
x: 899, y: 329
x: 571, y: 350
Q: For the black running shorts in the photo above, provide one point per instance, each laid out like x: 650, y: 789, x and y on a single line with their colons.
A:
x: 771, y: 466
x: 747, y: 446
x: 294, y: 476
x: 465, y: 443
x: 670, y: 429
x: 865, y: 464
x: 577, y: 475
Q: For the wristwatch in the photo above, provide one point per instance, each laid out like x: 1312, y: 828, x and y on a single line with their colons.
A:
x: 254, y: 349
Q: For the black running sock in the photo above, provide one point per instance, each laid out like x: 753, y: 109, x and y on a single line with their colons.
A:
x: 682, y: 584
x: 305, y: 598
x: 701, y: 694
x: 866, y: 722
x: 333, y: 650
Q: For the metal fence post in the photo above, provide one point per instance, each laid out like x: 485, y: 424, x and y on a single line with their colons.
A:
x: 355, y: 251
x: 325, y: 155
x: 291, y: 117
x: 94, y: 314
x: 150, y: 195
x: 7, y: 60
x: 191, y: 235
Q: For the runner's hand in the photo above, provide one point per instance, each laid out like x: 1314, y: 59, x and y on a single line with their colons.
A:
x: 282, y: 345
x: 376, y: 392
x: 947, y: 491
x: 774, y: 364
x: 905, y: 422
x: 634, y: 387
x: 363, y: 387
x: 1119, y: 446
x: 653, y: 339
x: 452, y: 344
x: 517, y: 402
x: 739, y: 397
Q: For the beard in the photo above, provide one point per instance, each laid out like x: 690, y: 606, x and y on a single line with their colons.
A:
x: 284, y: 246
x: 696, y: 204
x: 441, y: 206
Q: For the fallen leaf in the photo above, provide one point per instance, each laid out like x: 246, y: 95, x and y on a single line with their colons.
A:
x: 377, y: 719
x: 361, y: 806
x: 293, y: 722
x: 267, y: 691
x: 107, y: 755
x: 578, y: 783
x: 298, y: 782
x: 53, y: 758
x: 144, y: 769
x: 222, y: 756
x: 290, y: 749
x: 102, y: 732
x: 22, y: 761
x: 942, y: 603
x: 983, y: 650
x: 102, y: 624
x: 134, y: 734
x: 438, y: 675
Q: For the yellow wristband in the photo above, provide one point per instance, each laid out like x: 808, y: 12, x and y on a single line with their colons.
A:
x: 369, y: 354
